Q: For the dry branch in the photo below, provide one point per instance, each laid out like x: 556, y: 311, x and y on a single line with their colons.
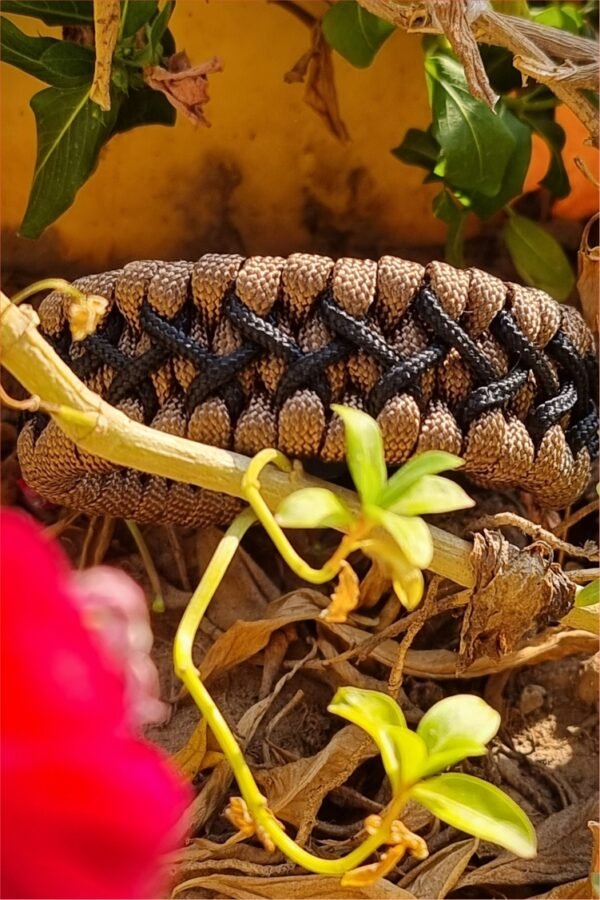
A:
x: 567, y: 64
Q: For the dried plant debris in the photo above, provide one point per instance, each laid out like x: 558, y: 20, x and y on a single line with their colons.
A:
x: 517, y: 593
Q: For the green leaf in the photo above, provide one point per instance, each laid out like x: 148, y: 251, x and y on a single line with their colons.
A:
x: 432, y: 494
x: 354, y: 32
x: 556, y: 179
x: 53, y: 12
x: 455, y: 728
x: 454, y: 215
x: 384, y: 721
x: 476, y: 144
x: 22, y: 51
x: 135, y: 14
x: 59, y: 63
x: 516, y: 169
x: 144, y: 107
x: 418, y: 148
x: 538, y: 257
x: 68, y: 64
x: 411, y: 534
x: 71, y: 130
x: 565, y: 16
x: 589, y: 595
x: 429, y: 463
x: 364, y: 452
x: 313, y: 508
x: 480, y: 809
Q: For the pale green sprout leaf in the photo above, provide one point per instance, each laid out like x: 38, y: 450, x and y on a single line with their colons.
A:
x: 589, y: 595
x: 454, y: 752
x: 429, y: 463
x: 478, y: 808
x: 432, y: 494
x: 407, y: 580
x: 364, y: 452
x: 314, y: 508
x: 463, y: 717
x: 411, y: 534
x: 383, y: 720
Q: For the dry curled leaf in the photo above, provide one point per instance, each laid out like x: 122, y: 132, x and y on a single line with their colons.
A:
x: 588, y: 275
x: 436, y: 876
x: 516, y: 593
x: 345, y: 597
x: 296, y: 790
x: 106, y: 32
x: 315, y: 70
x: 245, y: 639
x: 564, y: 850
x: 195, y: 755
x: 292, y: 887
x: 185, y: 86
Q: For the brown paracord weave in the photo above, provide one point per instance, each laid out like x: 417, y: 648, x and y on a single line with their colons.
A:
x: 249, y: 353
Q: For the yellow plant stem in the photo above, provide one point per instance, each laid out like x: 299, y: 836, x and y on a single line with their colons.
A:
x: 255, y: 801
x: 251, y: 492
x: 47, y: 284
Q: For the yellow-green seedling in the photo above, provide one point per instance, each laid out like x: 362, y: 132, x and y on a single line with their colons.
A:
x: 415, y: 763
x: 388, y: 527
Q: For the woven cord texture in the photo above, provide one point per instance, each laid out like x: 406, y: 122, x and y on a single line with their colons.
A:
x: 249, y: 353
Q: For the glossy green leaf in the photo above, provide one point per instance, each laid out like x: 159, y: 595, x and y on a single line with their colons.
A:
x: 447, y: 208
x: 480, y: 809
x: 53, y: 12
x: 144, y: 107
x: 517, y: 167
x: 418, y: 148
x: 589, y: 595
x: 354, y: 32
x: 59, y: 63
x: 476, y: 144
x: 135, y: 14
x: 566, y: 16
x: 21, y: 50
x: 538, y: 257
x: 556, y: 179
x: 463, y: 716
x: 364, y: 452
x: 313, y: 508
x: 405, y: 758
x: 71, y: 131
x: 432, y: 494
x: 429, y: 463
x: 411, y: 534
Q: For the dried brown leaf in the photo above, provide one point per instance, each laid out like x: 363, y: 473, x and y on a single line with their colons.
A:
x: 292, y: 887
x: 552, y: 644
x: 437, y: 876
x: 106, y: 30
x: 564, y: 852
x: 588, y: 275
x: 195, y: 756
x: 315, y: 70
x: 244, y: 639
x: 296, y: 790
x: 516, y: 593
x: 185, y: 86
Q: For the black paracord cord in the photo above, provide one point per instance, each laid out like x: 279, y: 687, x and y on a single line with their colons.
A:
x: 218, y: 374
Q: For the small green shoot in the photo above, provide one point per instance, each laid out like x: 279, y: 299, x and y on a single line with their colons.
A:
x: 453, y: 729
x: 388, y: 527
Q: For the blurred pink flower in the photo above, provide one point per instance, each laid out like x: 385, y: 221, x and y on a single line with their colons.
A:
x: 89, y: 809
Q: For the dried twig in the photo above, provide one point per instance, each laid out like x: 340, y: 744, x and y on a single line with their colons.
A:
x: 512, y: 520
x: 567, y: 64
